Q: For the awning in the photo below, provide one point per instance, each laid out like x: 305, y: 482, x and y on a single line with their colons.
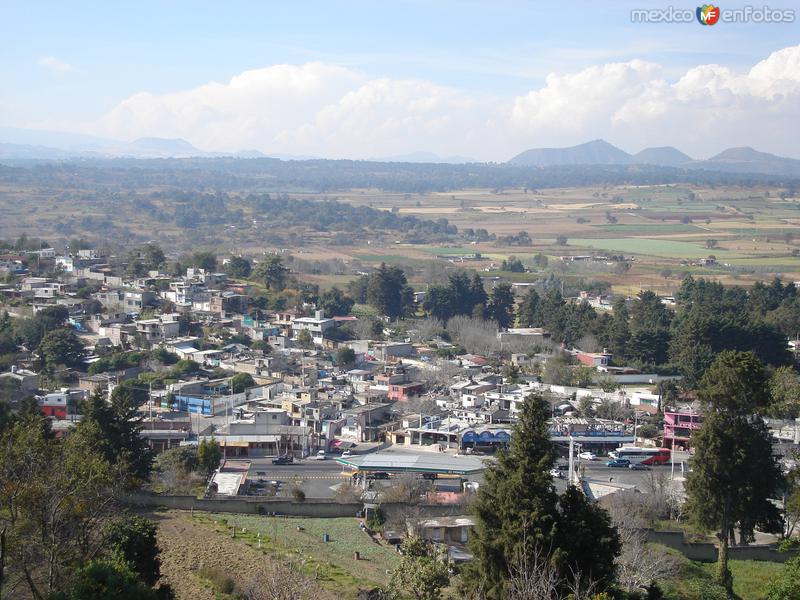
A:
x: 227, y: 444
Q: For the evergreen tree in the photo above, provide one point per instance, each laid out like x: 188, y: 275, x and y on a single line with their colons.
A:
x: 501, y: 305
x: 528, y: 313
x: 477, y: 298
x: 113, y: 430
x: 335, y: 303
x: 734, y: 472
x: 209, y: 455
x: 519, y: 513
x: 515, y: 509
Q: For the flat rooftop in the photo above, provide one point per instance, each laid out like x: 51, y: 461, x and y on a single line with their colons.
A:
x: 396, y: 462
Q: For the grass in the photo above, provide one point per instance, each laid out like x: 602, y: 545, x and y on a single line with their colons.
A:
x: 331, y: 563
x: 644, y: 228
x: 653, y: 247
x: 695, y: 580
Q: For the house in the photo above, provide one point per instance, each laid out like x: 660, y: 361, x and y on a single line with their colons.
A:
x: 316, y: 326
x: 161, y: 328
x: 263, y: 433
x: 61, y: 404
x: 679, y: 427
x: 444, y: 530
x: 594, y: 359
x: 406, y: 390
x: 28, y: 381
x: 136, y: 300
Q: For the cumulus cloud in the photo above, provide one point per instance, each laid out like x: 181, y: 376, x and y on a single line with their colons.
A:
x: 329, y: 110
x: 708, y: 108
x: 51, y: 63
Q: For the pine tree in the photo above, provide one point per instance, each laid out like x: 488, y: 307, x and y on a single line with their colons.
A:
x: 734, y: 472
x: 517, y: 504
x: 518, y: 513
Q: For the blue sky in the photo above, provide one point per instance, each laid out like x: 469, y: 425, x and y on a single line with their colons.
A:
x: 69, y: 65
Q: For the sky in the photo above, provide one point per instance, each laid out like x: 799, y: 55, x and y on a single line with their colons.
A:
x: 357, y: 79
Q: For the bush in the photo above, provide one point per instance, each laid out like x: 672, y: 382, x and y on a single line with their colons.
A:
x: 298, y: 494
x: 220, y: 581
x: 375, y: 520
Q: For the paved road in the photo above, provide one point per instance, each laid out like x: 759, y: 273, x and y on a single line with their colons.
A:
x: 319, y: 478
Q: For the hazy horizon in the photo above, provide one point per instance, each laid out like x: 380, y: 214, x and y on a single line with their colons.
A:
x: 356, y: 80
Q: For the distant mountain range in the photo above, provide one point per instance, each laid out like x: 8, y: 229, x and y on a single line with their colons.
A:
x: 57, y: 145
x: 600, y: 152
x: 16, y: 143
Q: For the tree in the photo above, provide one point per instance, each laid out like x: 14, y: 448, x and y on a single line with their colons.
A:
x: 242, y: 381
x: 272, y: 272
x: 388, y: 291
x: 61, y: 347
x: 304, y: 339
x: 787, y: 586
x: 734, y: 472
x: 421, y: 572
x: 209, y: 455
x: 335, y: 303
x: 561, y: 240
x: 518, y: 512
x: 239, y: 267
x: 585, y: 542
x: 132, y: 539
x: 205, y: 260
x: 55, y: 495
x: 528, y: 313
x: 784, y: 387
x: 438, y: 303
x: 113, y: 430
x: 153, y: 256
x: 104, y: 579
x: 345, y: 356
x: 501, y: 305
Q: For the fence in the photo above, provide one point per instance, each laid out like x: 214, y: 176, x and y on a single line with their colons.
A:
x: 311, y: 507
x: 707, y: 552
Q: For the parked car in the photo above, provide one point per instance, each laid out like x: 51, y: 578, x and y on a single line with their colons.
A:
x: 378, y: 475
x: 638, y: 467
x: 347, y: 453
x: 618, y: 462
x: 587, y: 456
x: 286, y: 459
x: 556, y: 473
x: 320, y: 455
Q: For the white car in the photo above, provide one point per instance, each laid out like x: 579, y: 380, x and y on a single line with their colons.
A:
x: 346, y: 453
x: 556, y: 473
x: 587, y: 456
x: 320, y: 455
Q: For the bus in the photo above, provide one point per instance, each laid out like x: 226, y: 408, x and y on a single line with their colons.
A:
x: 644, y: 456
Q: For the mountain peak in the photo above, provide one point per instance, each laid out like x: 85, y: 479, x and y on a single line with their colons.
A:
x: 665, y: 156
x: 595, y: 152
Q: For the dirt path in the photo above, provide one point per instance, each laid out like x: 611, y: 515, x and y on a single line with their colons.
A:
x: 187, y: 547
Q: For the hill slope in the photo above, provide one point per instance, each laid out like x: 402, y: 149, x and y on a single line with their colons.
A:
x: 596, y: 152
x: 665, y: 156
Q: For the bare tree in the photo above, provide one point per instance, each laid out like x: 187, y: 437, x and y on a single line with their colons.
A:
x: 475, y: 335
x: 425, y: 329
x: 640, y: 563
x: 283, y: 582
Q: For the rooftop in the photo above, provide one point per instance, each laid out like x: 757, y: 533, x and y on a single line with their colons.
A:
x: 397, y: 462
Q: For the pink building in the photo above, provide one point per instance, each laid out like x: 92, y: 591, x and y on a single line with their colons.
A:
x: 679, y: 427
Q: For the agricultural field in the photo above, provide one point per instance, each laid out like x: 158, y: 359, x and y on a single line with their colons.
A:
x: 663, y: 231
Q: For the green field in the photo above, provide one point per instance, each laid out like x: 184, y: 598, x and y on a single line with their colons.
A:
x: 332, y: 562
x: 654, y: 247
x: 649, y: 228
x: 751, y: 579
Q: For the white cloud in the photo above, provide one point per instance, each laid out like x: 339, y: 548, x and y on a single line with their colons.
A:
x: 327, y: 110
x: 53, y: 64
x: 709, y: 108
